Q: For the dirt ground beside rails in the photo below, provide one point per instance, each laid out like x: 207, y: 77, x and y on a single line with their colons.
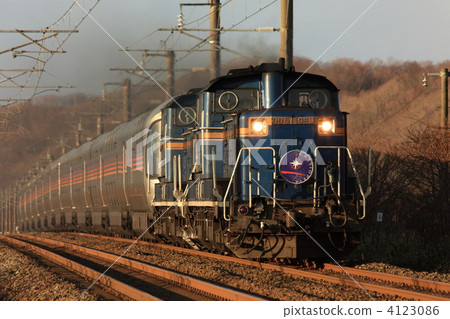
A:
x: 269, y: 284
x: 24, y: 279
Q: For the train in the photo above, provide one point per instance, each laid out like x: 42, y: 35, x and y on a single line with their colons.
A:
x: 254, y: 165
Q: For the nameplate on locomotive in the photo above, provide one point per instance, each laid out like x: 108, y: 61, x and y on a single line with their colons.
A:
x: 303, y: 120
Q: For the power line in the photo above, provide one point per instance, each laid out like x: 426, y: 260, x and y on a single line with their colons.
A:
x: 202, y: 41
x: 399, y: 110
x: 423, y: 118
x: 71, y: 17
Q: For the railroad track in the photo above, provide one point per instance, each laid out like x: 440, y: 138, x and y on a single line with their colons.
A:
x: 414, y: 283
x: 131, y: 279
x: 106, y: 288
x: 380, y: 283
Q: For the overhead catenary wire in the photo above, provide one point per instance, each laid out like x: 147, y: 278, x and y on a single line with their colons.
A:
x: 205, y: 17
x: 202, y: 41
x: 43, y: 57
x: 234, y: 25
x: 388, y: 117
x: 437, y: 108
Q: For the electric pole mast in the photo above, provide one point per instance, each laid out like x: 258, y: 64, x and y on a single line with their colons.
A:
x: 100, y: 124
x: 8, y: 210
x: 14, y: 210
x: 170, y: 62
x: 126, y: 100
x: 444, y: 74
x: 2, y: 202
x: 286, y: 29
x: 214, y: 38
x: 78, y: 131
x: 444, y: 97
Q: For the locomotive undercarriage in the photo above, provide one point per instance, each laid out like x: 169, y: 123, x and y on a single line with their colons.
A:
x: 294, y: 230
x: 190, y: 226
x: 291, y: 229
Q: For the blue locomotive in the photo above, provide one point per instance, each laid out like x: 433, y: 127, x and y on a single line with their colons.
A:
x: 254, y: 165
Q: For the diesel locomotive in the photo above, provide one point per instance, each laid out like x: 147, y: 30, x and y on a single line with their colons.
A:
x: 254, y: 165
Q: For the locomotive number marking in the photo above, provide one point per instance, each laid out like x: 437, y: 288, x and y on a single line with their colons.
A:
x: 305, y: 120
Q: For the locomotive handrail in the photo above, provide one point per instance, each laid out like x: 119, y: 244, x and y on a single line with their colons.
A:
x: 168, y: 138
x: 363, y: 194
x: 234, y: 172
x: 227, y: 121
x: 208, y: 128
x: 211, y: 128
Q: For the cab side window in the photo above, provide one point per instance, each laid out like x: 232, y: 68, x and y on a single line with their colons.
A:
x: 227, y: 101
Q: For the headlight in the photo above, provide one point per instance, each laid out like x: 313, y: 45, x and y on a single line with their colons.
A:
x: 327, y: 126
x: 258, y: 126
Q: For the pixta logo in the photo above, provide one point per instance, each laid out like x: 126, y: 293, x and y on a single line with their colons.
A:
x: 140, y: 151
x: 150, y: 150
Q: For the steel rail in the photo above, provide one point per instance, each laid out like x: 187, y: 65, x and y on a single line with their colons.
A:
x: 179, y: 279
x: 416, y: 283
x: 107, y: 281
x: 391, y: 291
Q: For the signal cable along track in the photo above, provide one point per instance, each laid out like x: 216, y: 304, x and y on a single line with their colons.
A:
x: 179, y: 287
x: 408, y: 292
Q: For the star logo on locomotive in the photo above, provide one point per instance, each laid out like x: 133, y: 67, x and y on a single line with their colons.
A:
x: 296, y: 166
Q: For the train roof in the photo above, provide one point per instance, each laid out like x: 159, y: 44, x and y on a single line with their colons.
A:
x: 254, y: 72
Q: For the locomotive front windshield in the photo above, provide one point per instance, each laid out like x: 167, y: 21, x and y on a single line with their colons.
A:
x: 238, y: 100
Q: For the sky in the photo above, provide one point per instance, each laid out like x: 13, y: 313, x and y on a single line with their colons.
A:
x: 324, y: 30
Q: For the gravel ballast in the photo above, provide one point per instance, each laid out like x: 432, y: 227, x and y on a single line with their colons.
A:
x: 390, y: 269
x: 23, y: 278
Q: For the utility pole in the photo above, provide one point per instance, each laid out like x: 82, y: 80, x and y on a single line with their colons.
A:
x: 78, y: 131
x: 443, y: 168
x: 286, y: 29
x: 444, y: 74
x: 170, y: 62
x: 444, y: 97
x: 14, y: 210
x: 61, y: 145
x: 11, y: 209
x: 99, y: 124
x: 49, y: 158
x: 126, y: 110
x: 2, y: 202
x: 8, y: 209
x: 214, y: 38
x: 3, y: 211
